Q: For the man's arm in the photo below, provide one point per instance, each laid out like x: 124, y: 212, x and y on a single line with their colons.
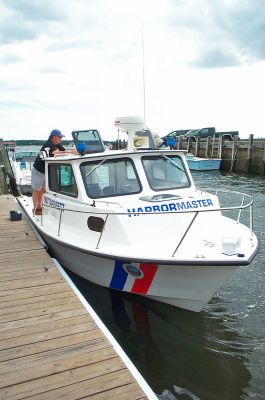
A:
x: 58, y: 152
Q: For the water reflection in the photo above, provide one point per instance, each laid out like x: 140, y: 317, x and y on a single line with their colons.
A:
x: 170, y: 346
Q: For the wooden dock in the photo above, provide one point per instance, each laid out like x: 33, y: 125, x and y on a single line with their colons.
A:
x: 50, y: 346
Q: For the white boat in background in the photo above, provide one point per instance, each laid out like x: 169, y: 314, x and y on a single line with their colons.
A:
x: 133, y: 220
x: 202, y: 164
x: 21, y: 163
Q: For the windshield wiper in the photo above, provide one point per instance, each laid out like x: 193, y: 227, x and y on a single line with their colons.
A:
x: 172, y: 162
x: 94, y: 169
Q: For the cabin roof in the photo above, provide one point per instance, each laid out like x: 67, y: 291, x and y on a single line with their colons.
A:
x: 112, y: 153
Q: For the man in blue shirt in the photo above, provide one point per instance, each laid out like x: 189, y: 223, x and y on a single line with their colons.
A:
x: 54, y: 147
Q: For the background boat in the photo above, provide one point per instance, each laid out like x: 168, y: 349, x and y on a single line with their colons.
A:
x: 202, y: 164
x: 21, y: 163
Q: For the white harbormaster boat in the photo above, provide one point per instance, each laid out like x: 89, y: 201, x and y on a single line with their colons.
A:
x: 133, y: 220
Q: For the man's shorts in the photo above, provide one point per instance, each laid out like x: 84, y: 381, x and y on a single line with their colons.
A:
x: 37, y: 179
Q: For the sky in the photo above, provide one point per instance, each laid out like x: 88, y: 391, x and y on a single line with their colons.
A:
x: 180, y: 64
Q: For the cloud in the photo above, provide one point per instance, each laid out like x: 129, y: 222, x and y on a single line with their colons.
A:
x: 26, y: 19
x: 70, y: 43
x: 10, y: 59
x: 217, y: 58
x: 221, y: 33
x: 51, y: 70
x: 79, y: 62
x: 10, y: 104
x: 9, y: 87
x: 32, y: 10
x: 24, y: 30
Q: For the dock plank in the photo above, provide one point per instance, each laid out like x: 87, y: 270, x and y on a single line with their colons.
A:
x: 42, y: 327
x: 34, y: 364
x: 24, y: 293
x: 11, y: 304
x: 39, y: 312
x: 67, y: 362
x: 42, y: 319
x: 86, y: 386
x: 50, y: 347
x: 31, y: 338
x: 48, y: 303
x: 49, y: 344
x: 132, y: 392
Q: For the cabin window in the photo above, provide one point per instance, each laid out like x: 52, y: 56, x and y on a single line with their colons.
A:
x: 165, y: 172
x: 109, y: 178
x: 62, y: 180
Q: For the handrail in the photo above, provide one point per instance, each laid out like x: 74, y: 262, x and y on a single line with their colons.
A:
x: 101, y: 233
x: 60, y: 220
x: 240, y: 207
x: 239, y: 213
x: 153, y: 212
x: 185, y: 233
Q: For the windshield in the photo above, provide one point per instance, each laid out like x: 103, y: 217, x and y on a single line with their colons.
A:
x: 108, y: 178
x: 165, y: 172
x: 88, y: 141
x: 191, y: 132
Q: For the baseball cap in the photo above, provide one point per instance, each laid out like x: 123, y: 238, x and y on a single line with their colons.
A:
x: 56, y: 132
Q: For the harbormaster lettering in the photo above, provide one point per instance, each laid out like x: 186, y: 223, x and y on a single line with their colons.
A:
x: 172, y: 207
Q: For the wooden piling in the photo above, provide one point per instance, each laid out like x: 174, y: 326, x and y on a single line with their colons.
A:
x: 234, y: 152
x: 221, y: 146
x: 189, y: 145
x: 213, y: 155
x: 7, y: 179
x: 197, y: 146
x: 250, y: 149
x: 263, y: 159
x: 207, y: 147
x: 179, y: 143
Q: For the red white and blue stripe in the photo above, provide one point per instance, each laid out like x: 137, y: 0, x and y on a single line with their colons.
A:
x: 134, y: 278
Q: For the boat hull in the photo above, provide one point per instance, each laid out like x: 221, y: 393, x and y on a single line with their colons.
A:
x: 203, y: 164
x: 186, y: 286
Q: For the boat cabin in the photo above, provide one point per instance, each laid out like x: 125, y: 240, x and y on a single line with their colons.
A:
x: 98, y: 174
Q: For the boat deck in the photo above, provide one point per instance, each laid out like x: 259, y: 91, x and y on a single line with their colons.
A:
x: 50, y: 346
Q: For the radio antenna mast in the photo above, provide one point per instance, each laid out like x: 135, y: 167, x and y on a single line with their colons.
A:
x: 143, y: 67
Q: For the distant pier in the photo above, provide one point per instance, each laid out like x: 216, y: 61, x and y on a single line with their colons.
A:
x: 245, y: 156
x: 242, y: 156
x: 51, y: 344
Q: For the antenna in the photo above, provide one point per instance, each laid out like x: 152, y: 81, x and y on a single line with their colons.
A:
x: 143, y: 67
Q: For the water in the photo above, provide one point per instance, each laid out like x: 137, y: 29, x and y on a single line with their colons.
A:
x: 28, y: 148
x: 218, y: 354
